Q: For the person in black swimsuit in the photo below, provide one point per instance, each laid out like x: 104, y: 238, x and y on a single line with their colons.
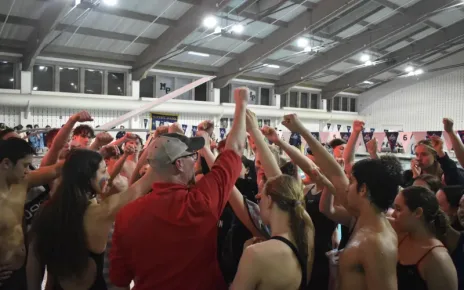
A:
x: 423, y: 261
x: 448, y: 198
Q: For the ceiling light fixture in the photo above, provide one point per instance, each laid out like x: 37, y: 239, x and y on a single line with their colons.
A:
x: 308, y: 49
x: 368, y: 63
x: 365, y: 58
x: 198, y: 53
x: 4, y: 61
x: 12, y: 80
x: 418, y: 72
x: 218, y: 29
x: 271, y: 65
x: 110, y: 2
x: 41, y: 67
x: 409, y: 69
x: 302, y: 42
x: 210, y: 22
x: 238, y: 28
x: 35, y: 88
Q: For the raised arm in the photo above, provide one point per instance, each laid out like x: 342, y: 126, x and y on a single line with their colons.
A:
x: 350, y: 149
x: 372, y: 148
x: 326, y: 162
x: 455, y: 141
x: 116, y: 169
x: 44, y: 175
x: 263, y: 153
x: 102, y: 139
x: 237, y: 136
x: 62, y: 137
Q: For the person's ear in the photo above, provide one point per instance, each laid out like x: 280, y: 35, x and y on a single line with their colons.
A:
x: 419, y: 212
x: 6, y: 164
x: 179, y: 165
x: 363, y: 190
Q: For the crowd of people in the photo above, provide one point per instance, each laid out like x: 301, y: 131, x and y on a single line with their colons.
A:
x: 189, y: 213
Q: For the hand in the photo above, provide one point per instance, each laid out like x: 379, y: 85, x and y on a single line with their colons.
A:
x: 241, y: 95
x: 253, y: 241
x: 437, y: 144
x: 358, y: 126
x: 251, y: 121
x: 448, y: 125
x: 130, y: 137
x: 5, y: 273
x: 341, y: 162
x: 416, y: 170
x: 270, y: 134
x: 293, y: 123
x: 205, y: 125
x: 129, y: 149
x: 176, y: 128
x: 83, y: 116
x: 372, y: 146
x: 205, y: 136
x: 213, y: 144
x: 103, y: 138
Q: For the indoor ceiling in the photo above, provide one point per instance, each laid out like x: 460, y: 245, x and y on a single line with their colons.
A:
x: 335, y: 45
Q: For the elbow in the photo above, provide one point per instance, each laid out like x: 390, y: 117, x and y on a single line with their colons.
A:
x: 237, y: 147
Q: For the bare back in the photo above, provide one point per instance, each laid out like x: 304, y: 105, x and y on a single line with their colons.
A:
x: 369, y: 259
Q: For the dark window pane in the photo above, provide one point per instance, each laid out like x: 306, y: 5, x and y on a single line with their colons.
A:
x: 265, y: 96
x: 69, y: 80
x: 200, y: 92
x: 93, y: 82
x: 345, y: 104
x: 283, y: 100
x: 42, y: 78
x: 116, y: 84
x: 336, y: 104
x: 329, y: 105
x: 314, y: 101
x: 353, y: 105
x: 294, y: 99
x: 224, y: 94
x: 304, y: 100
x: 146, y: 87
x: 7, y: 79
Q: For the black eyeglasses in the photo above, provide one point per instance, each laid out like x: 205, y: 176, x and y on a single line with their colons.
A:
x: 194, y: 155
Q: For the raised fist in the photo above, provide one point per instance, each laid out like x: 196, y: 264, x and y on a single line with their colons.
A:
x: 448, y: 125
x: 437, y: 143
x: 129, y: 149
x: 110, y: 151
x: 270, y: 134
x: 251, y: 121
x: 358, y: 126
x: 176, y: 128
x: 83, y: 116
x: 205, y: 136
x: 104, y: 138
x: 372, y: 145
x: 130, y: 137
x: 292, y: 123
x: 241, y: 95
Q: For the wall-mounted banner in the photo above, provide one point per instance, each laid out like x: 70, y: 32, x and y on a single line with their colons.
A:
x: 380, y: 136
x: 392, y: 138
x: 434, y: 133
x: 316, y: 136
x: 372, y: 130
x: 339, y: 127
x: 222, y: 133
x: 194, y: 130
x: 418, y: 136
x: 145, y: 123
x: 267, y: 122
x: 328, y: 126
x: 295, y: 140
x: 385, y: 130
x: 160, y: 119
x: 334, y: 135
x: 184, y: 127
x: 324, y: 136
x: 367, y: 136
x: 260, y: 123
x: 345, y: 136
x: 461, y: 135
x: 348, y: 128
x: 404, y: 138
x: 224, y: 123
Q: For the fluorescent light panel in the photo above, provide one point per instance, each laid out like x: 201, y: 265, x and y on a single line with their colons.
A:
x: 198, y: 53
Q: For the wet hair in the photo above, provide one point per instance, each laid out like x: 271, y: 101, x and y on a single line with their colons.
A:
x: 51, y: 136
x: 84, y: 130
x: 432, y: 181
x: 435, y: 169
x: 5, y: 132
x: 287, y: 192
x: 434, y: 218
x: 336, y: 142
x: 288, y: 168
x: 15, y: 149
x: 382, y: 178
x: 453, y: 194
x: 19, y: 127
x: 58, y: 230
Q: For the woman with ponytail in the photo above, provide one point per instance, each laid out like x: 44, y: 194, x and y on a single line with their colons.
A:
x: 423, y: 261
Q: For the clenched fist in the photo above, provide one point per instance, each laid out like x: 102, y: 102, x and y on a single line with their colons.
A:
x: 270, y: 134
x: 129, y: 149
x: 292, y: 123
x: 448, y: 125
x: 103, y: 138
x: 358, y: 126
x: 83, y: 116
x: 241, y: 95
x: 251, y: 121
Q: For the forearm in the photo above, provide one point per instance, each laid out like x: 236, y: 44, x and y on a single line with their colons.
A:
x: 58, y: 143
x: 237, y: 136
x: 44, y: 175
x: 209, y: 156
x: 457, y: 146
x: 297, y: 157
x: 267, y: 159
x: 142, y: 162
x: 117, y: 167
x: 350, y: 149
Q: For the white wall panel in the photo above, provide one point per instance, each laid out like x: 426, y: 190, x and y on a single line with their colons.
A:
x: 419, y: 107
x: 9, y: 115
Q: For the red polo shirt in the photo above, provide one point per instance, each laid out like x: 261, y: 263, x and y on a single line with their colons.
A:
x: 167, y: 240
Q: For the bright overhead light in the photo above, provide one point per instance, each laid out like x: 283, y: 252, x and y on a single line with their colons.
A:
x: 35, y: 88
x: 77, y: 2
x: 302, y: 42
x: 210, y: 22
x: 365, y: 58
x: 238, y: 28
x: 12, y: 80
x: 368, y: 63
x: 409, y: 69
x: 308, y: 49
x: 110, y: 2
x: 72, y: 84
x: 368, y: 82
x: 418, y: 72
x: 41, y: 67
x: 198, y: 53
x: 4, y: 61
x: 218, y: 29
x: 271, y: 65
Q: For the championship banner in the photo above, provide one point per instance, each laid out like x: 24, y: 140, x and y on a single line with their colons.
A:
x: 392, y: 137
x: 405, y: 139
x: 222, y: 133
x: 434, y: 133
x: 194, y: 130
x: 345, y: 136
x: 418, y: 136
x: 323, y: 136
x: 448, y: 143
x: 333, y: 135
x: 145, y: 123
x: 367, y: 136
x: 328, y: 126
x: 380, y: 136
x: 339, y: 127
x: 386, y: 130
x: 461, y: 135
x: 148, y: 107
x: 184, y: 127
x: 348, y: 128
x: 160, y: 119
x: 295, y: 140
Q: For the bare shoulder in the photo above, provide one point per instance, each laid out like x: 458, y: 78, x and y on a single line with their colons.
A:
x: 436, y: 257
x: 379, y: 245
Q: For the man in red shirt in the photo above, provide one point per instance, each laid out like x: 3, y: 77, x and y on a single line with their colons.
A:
x: 167, y: 240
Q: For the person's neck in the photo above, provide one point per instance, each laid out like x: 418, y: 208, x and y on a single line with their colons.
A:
x: 132, y: 157
x: 420, y: 233
x: 5, y: 186
x: 279, y: 223
x: 368, y: 216
x: 167, y: 178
